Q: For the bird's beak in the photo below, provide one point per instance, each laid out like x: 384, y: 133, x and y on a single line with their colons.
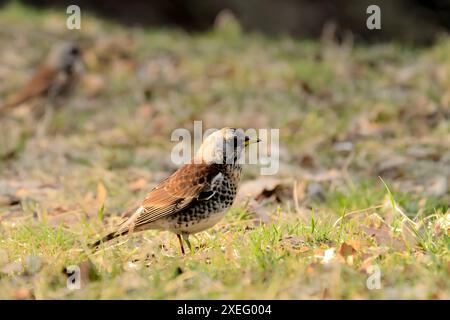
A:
x: 249, y: 141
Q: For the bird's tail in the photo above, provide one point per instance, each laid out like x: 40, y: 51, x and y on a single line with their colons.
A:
x: 108, y: 237
x: 12, y: 102
x: 122, y: 229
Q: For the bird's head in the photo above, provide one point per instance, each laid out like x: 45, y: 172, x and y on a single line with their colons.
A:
x: 65, y: 56
x: 224, y: 146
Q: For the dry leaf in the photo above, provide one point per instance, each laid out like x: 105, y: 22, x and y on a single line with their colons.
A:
x: 347, y: 250
x: 378, y: 230
x: 138, y: 184
x: 262, y: 188
x: 22, y: 294
x: 93, y: 84
x: 307, y: 161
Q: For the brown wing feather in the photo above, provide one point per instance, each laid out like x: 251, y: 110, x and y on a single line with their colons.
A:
x: 39, y: 84
x: 176, y: 192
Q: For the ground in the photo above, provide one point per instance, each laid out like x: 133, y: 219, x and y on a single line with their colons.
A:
x: 362, y: 189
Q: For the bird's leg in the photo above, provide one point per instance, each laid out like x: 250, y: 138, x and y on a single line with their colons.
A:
x: 186, y: 238
x: 181, y: 243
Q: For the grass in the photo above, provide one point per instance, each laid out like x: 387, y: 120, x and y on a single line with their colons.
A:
x: 347, y: 114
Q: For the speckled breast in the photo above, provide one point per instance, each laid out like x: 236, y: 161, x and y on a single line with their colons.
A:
x: 205, y: 214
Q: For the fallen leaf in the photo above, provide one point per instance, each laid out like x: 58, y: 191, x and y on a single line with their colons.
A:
x: 93, y: 84
x: 138, y: 184
x: 263, y: 188
x: 310, y: 268
x: 22, y: 294
x: 378, y: 230
x: 347, y: 250
x: 307, y: 161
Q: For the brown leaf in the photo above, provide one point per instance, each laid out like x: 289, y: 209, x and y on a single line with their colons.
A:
x: 93, y: 84
x: 307, y: 161
x: 347, y: 250
x: 263, y: 188
x: 378, y: 230
x: 23, y: 294
x: 138, y: 184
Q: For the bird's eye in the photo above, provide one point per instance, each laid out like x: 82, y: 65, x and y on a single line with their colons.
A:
x: 74, y: 51
x: 235, y: 141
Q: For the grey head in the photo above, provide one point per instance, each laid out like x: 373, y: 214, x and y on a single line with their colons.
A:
x: 65, y: 56
x: 224, y: 146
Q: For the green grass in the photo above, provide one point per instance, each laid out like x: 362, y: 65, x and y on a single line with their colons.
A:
x: 107, y: 147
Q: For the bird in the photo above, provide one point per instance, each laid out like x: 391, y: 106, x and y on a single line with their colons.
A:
x: 197, y: 195
x: 55, y: 77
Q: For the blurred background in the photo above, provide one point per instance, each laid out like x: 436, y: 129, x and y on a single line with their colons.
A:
x: 411, y: 21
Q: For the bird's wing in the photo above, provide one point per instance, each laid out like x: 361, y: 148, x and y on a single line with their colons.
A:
x: 37, y: 85
x: 189, y: 183
x: 41, y: 81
